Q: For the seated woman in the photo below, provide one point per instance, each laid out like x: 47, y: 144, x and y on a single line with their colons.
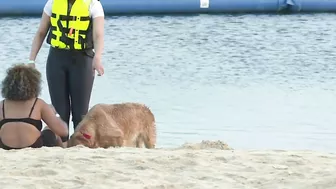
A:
x: 22, y: 112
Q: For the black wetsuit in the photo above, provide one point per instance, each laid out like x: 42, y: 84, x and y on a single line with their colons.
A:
x: 70, y: 77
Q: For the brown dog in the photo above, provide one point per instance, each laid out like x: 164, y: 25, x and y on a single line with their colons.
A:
x: 116, y: 125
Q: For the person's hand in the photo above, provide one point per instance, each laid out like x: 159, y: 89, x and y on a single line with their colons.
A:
x: 97, y: 66
x: 31, y: 63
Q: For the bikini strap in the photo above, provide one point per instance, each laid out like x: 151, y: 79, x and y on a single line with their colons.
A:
x: 31, y: 111
x: 3, y: 109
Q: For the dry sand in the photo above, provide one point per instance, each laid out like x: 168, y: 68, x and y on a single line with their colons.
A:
x: 203, y: 166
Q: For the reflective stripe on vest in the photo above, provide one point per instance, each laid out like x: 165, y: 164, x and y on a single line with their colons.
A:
x: 77, y: 21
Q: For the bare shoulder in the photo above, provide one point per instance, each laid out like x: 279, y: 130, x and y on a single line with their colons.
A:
x: 41, y: 102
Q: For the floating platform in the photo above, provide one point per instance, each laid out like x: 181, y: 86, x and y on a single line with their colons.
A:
x: 131, y: 7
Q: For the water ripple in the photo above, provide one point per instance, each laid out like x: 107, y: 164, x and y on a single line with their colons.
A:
x: 254, y: 81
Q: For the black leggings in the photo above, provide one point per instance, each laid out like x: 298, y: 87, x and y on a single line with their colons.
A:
x: 70, y: 80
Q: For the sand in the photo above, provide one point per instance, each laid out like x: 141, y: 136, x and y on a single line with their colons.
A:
x: 203, y: 166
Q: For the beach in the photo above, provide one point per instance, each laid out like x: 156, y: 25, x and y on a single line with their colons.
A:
x: 209, y: 164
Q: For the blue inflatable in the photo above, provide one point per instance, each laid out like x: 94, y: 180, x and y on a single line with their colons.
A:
x: 117, y: 7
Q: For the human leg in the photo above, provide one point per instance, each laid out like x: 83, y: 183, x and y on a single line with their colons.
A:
x: 57, y: 77
x: 81, y: 80
x: 49, y: 138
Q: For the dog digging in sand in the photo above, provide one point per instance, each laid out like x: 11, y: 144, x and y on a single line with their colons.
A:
x: 116, y: 125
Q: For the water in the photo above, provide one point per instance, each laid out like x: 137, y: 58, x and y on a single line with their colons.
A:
x: 255, y: 82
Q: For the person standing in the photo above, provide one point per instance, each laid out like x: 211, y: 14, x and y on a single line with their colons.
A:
x: 76, y: 39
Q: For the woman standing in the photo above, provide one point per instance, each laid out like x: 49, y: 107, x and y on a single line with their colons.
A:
x: 76, y: 39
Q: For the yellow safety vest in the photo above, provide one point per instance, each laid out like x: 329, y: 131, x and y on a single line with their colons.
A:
x: 70, y: 30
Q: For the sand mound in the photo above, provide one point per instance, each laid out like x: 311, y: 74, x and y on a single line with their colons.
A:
x: 207, y: 144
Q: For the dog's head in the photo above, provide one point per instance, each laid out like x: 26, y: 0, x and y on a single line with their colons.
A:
x: 85, y: 134
x: 97, y: 129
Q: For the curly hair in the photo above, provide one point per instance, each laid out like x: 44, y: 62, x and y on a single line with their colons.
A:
x: 21, y: 83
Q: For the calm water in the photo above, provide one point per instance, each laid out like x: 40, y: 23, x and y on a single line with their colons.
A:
x: 252, y: 81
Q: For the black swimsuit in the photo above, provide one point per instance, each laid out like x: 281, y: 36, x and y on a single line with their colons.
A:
x: 37, y: 123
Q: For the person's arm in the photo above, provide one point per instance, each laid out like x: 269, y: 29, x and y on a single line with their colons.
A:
x: 98, y: 35
x: 39, y: 36
x: 97, y: 14
x: 55, y: 124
